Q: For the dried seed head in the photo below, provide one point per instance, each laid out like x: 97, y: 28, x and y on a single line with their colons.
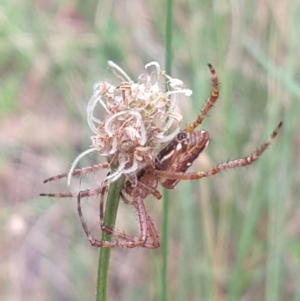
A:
x: 137, y: 121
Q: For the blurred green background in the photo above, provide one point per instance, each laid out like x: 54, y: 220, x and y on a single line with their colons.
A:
x: 235, y: 236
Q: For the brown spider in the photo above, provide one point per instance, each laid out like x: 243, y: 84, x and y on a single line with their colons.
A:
x: 168, y: 168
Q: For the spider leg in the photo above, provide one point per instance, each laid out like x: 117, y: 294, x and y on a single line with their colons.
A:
x: 146, y: 225
x: 107, y: 229
x: 84, y: 193
x: 101, y: 206
x: 94, y: 242
x: 122, y: 239
x: 59, y: 195
x: 152, y: 232
x: 79, y: 171
x: 209, y: 103
x: 230, y: 164
x: 152, y: 190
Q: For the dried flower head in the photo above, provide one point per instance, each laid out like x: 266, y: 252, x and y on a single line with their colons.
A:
x: 139, y: 117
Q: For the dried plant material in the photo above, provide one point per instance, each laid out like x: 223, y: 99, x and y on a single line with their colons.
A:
x: 137, y: 122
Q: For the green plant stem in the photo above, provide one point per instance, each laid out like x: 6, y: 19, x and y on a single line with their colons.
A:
x: 110, y: 216
x: 164, y: 267
x: 169, y: 24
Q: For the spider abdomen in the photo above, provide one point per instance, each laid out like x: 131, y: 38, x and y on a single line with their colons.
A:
x: 180, y: 153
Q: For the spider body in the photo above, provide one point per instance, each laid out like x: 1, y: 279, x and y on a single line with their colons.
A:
x: 168, y: 168
x: 180, y: 154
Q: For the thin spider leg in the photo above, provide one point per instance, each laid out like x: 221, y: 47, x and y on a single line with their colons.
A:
x: 126, y: 242
x: 118, y: 234
x: 230, y: 164
x: 79, y: 171
x: 107, y: 229
x: 152, y: 232
x: 101, y: 205
x: 92, y: 240
x: 146, y: 226
x: 143, y: 221
x: 140, y: 207
x: 209, y: 103
x: 84, y: 193
x: 59, y: 195
x: 104, y: 228
x: 152, y: 190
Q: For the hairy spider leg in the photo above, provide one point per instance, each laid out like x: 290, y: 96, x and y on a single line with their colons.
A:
x: 129, y: 240
x: 79, y: 171
x: 84, y: 193
x: 209, y: 103
x: 152, y: 231
x: 230, y: 164
x: 122, y: 239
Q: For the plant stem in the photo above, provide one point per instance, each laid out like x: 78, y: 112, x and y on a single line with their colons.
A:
x: 110, y: 216
x: 164, y: 267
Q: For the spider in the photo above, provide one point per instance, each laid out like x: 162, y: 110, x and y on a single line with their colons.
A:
x: 168, y: 168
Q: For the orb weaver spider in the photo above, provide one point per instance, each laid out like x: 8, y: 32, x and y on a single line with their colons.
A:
x: 168, y: 168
